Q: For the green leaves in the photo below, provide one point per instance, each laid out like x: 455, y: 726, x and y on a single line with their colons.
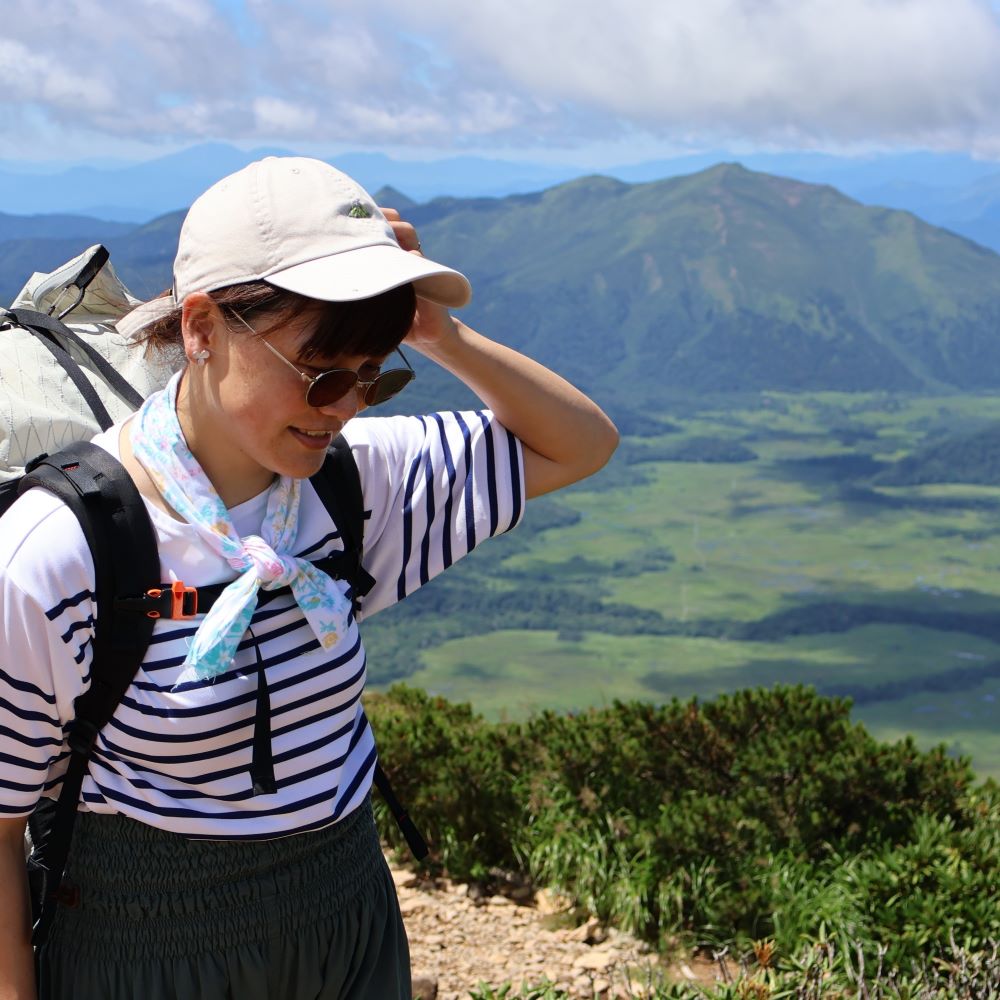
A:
x: 766, y: 813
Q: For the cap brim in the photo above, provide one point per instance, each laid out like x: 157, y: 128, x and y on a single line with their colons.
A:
x: 366, y: 271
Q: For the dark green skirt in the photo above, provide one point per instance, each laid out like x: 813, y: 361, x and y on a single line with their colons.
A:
x: 161, y: 917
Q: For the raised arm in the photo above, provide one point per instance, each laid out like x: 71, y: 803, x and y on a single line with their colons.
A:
x: 566, y: 436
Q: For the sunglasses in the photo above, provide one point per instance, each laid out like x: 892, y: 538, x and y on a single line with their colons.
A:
x: 330, y: 386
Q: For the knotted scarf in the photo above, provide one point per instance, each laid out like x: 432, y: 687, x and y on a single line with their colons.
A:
x: 261, y: 560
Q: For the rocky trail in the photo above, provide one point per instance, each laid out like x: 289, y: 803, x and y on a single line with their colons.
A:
x: 461, y: 938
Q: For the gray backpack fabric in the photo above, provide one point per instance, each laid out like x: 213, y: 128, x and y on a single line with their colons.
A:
x: 41, y: 410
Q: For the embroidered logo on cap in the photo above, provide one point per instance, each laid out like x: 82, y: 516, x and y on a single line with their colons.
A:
x: 359, y: 211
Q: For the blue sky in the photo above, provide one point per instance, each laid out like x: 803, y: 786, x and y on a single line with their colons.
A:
x: 582, y: 81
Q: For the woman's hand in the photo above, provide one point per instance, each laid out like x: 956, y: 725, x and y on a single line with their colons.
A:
x: 432, y: 323
x: 565, y: 436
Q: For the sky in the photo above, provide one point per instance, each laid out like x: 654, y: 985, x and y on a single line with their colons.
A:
x: 595, y: 81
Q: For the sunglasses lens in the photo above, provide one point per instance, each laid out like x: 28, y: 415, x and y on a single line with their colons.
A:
x: 331, y: 386
x: 386, y: 385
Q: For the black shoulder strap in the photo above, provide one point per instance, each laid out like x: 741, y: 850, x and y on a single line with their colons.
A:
x: 58, y: 338
x: 110, y: 510
x: 338, y: 484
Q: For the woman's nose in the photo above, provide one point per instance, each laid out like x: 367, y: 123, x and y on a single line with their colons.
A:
x: 349, y: 405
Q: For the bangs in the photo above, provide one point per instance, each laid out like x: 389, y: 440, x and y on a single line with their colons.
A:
x: 374, y: 326
x: 371, y: 327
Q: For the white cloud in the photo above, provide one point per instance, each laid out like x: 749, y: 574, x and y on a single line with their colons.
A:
x: 514, y: 72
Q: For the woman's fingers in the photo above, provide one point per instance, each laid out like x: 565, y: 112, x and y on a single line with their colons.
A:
x: 405, y: 233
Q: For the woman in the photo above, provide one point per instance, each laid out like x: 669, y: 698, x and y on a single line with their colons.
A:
x: 212, y: 863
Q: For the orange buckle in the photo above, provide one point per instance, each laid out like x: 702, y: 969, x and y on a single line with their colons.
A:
x: 180, y: 605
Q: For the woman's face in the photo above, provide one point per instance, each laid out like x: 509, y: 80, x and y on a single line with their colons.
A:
x: 247, y: 415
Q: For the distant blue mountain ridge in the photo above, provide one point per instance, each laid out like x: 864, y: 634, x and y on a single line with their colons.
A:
x: 725, y: 280
x: 953, y: 191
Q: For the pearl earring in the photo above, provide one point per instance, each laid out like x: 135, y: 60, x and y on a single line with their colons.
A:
x: 200, y: 357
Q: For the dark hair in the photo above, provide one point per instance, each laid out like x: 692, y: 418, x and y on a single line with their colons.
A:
x: 374, y: 325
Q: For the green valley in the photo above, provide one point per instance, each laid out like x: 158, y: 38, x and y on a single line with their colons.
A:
x: 665, y: 579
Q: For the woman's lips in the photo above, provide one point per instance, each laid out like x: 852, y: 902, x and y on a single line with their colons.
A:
x: 319, y: 440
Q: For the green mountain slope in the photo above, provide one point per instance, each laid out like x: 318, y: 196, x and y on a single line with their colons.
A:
x: 725, y: 280
x: 721, y: 281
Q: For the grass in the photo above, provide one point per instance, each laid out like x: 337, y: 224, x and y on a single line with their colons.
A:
x: 752, y: 539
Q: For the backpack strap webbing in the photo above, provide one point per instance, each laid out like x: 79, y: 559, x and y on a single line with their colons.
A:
x: 96, y: 487
x: 50, y: 330
x: 74, y: 373
x: 338, y: 484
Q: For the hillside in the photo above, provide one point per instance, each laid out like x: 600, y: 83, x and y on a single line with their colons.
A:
x: 726, y: 281
x: 721, y: 281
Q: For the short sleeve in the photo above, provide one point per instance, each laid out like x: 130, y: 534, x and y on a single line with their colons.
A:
x: 435, y: 487
x: 46, y: 628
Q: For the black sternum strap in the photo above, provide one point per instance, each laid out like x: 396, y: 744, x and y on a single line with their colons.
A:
x: 262, y: 761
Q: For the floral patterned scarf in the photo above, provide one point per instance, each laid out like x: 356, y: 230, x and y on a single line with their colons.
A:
x: 261, y: 560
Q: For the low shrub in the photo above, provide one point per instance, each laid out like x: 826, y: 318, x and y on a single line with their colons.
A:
x: 766, y: 813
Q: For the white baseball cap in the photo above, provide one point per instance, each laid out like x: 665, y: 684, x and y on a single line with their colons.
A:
x: 301, y: 225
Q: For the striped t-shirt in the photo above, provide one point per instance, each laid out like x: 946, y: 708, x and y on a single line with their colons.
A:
x: 177, y: 755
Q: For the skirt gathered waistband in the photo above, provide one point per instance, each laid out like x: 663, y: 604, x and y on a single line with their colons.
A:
x: 145, y: 893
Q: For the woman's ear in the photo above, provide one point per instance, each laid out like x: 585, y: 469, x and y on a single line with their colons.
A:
x: 201, y: 322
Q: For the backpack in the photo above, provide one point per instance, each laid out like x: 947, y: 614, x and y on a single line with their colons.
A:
x: 122, y: 542
x: 59, y: 383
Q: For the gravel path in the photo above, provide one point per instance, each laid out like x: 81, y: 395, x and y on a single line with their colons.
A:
x: 460, y: 939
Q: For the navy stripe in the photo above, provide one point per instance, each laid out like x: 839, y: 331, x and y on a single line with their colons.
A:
x: 287, y: 629
x: 491, y: 475
x: 318, y: 824
x: 27, y: 714
x: 38, y: 741
x: 217, y: 707
x: 17, y: 786
x: 267, y: 810
x: 449, y: 502
x: 245, y: 794
x: 277, y: 607
x: 69, y: 602
x: 75, y: 627
x: 425, y: 542
x: 238, y: 723
x: 19, y: 685
x: 411, y: 479
x: 363, y: 773
x: 515, y: 479
x: 82, y: 651
x: 470, y: 507
x: 325, y: 540
x: 28, y: 765
x: 53, y: 783
x: 130, y: 759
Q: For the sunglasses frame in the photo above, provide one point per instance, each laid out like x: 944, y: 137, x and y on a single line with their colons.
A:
x: 359, y: 384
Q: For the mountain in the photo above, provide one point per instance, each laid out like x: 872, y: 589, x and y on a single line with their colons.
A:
x: 137, y: 192
x: 22, y: 227
x: 726, y: 280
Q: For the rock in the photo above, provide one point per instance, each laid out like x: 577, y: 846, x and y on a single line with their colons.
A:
x: 425, y: 988
x: 548, y: 902
x: 591, y: 932
x: 598, y: 960
x: 404, y: 879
